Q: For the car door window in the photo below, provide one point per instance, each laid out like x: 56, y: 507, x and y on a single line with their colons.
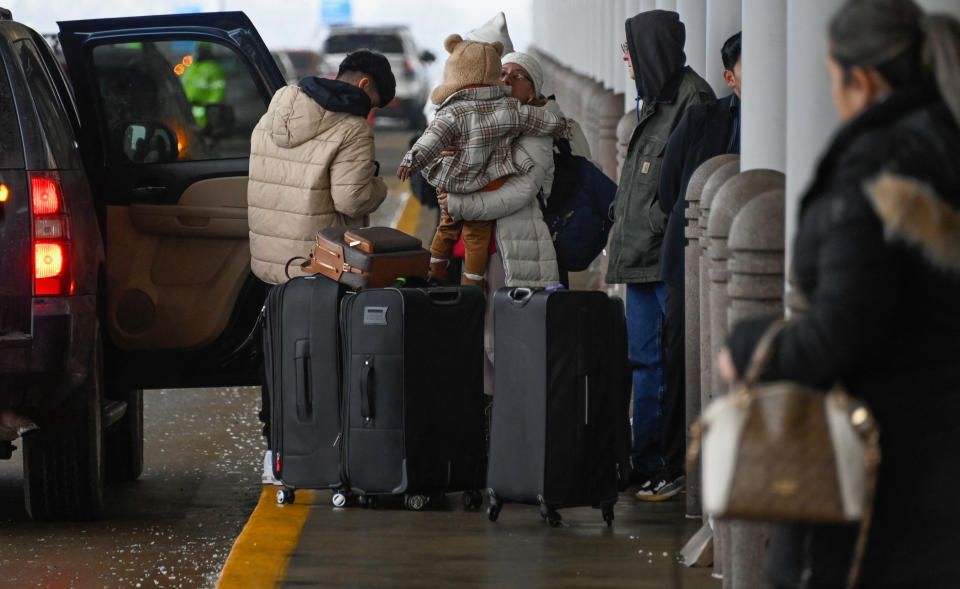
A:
x: 57, y: 126
x: 176, y: 100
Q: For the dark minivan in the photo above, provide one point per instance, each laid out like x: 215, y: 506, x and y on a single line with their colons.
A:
x: 124, y: 260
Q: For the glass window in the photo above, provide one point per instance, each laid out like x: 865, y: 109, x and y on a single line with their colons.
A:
x: 350, y: 42
x: 196, y: 95
x: 57, y: 126
x: 11, y: 147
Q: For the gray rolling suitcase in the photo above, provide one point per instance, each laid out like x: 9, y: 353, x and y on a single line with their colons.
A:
x: 560, y: 431
x: 302, y: 360
x: 413, y: 393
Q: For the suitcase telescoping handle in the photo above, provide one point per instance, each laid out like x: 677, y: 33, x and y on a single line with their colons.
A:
x: 366, y: 395
x: 520, y: 295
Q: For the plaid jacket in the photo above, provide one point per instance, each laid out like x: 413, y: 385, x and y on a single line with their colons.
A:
x: 480, y: 125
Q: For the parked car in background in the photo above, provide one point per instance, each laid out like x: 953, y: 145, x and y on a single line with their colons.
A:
x: 298, y: 63
x: 124, y: 256
x: 407, y: 62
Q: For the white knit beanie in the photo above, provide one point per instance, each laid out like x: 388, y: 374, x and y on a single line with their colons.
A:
x: 494, y: 29
x: 529, y: 63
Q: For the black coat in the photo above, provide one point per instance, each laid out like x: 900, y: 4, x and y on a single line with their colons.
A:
x: 877, y: 256
x: 706, y: 130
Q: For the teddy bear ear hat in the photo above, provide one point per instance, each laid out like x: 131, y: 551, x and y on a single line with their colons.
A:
x: 471, y: 63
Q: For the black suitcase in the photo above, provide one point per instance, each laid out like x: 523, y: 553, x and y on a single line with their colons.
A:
x: 301, y: 346
x: 413, y: 393
x: 560, y: 431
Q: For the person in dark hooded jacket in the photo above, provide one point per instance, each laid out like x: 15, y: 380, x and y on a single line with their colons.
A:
x: 877, y: 260
x: 665, y: 89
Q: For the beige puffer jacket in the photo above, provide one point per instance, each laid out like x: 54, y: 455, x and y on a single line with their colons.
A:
x: 310, y: 168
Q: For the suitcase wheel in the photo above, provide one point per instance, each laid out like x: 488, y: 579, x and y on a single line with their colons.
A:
x: 285, y: 495
x: 472, y: 500
x: 493, y: 511
x: 415, y: 502
x: 339, y: 499
x: 550, y: 515
x: 607, y: 509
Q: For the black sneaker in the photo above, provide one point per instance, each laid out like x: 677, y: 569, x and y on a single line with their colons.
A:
x: 661, y: 489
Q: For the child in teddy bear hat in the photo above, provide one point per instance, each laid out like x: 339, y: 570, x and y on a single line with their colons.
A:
x: 468, y: 147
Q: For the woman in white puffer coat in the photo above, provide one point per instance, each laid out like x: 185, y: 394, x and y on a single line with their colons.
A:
x: 525, y: 254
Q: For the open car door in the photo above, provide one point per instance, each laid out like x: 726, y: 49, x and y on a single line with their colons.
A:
x: 167, y: 106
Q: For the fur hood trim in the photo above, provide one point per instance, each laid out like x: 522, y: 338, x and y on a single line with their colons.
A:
x: 914, y: 213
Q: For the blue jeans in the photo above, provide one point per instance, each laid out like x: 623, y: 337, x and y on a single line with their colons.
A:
x: 646, y: 305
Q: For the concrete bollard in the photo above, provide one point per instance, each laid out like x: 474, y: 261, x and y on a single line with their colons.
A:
x: 710, y: 189
x: 730, y: 199
x: 625, y: 127
x: 610, y: 107
x: 755, y: 288
x: 692, y: 232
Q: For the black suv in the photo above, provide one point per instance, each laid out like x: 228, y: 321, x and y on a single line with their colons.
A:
x: 124, y: 258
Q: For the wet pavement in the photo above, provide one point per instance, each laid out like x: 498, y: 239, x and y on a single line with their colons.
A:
x: 174, y: 527
x: 393, y: 547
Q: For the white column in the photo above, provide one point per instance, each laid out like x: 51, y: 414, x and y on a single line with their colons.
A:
x: 667, y: 5
x: 723, y: 21
x: 630, y: 93
x: 614, y: 37
x: 693, y: 13
x: 943, y: 6
x: 763, y: 122
x: 811, y: 118
x: 646, y: 5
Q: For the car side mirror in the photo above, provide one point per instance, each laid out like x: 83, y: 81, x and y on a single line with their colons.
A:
x: 220, y: 120
x: 149, y: 143
x: 428, y: 57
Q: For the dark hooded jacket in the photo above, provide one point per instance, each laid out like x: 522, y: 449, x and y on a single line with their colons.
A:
x: 877, y: 258
x: 667, y: 88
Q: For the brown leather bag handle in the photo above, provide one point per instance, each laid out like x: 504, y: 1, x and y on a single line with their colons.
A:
x: 762, y: 354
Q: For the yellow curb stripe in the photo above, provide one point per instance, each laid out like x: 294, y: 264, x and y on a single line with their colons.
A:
x: 261, y: 554
x: 409, y: 219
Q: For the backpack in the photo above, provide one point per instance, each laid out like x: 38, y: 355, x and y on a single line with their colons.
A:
x: 577, y: 212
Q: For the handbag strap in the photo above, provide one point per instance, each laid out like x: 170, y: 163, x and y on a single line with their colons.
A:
x: 762, y: 354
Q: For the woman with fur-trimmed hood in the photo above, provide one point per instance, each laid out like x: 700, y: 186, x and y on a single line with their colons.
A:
x: 877, y: 258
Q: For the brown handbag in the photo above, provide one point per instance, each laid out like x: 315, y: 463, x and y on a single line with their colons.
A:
x: 782, y: 451
x: 369, y: 257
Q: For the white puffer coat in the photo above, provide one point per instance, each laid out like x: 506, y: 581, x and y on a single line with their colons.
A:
x: 523, y: 239
x: 310, y: 168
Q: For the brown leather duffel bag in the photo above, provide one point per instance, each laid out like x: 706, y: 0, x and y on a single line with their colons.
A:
x: 367, y: 257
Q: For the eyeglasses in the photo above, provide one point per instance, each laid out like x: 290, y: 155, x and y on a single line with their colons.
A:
x: 624, y: 47
x: 504, y: 76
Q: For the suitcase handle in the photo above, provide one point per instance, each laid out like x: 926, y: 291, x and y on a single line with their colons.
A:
x: 445, y: 295
x: 366, y: 396
x: 520, y: 295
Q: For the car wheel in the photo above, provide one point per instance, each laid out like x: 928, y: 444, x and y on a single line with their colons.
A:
x: 63, y: 459
x: 124, y: 440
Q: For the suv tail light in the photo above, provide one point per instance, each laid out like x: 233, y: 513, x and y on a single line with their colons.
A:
x: 51, y: 236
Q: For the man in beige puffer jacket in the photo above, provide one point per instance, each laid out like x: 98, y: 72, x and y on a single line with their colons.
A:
x: 312, y: 162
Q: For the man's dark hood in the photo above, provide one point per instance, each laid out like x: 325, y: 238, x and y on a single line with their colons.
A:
x: 337, y: 96
x: 655, y: 40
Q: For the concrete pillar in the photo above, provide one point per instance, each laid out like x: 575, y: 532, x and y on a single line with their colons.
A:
x: 615, y: 37
x: 693, y: 232
x: 763, y: 122
x: 630, y: 87
x: 646, y: 5
x: 723, y: 21
x: 667, y: 5
x: 590, y: 96
x: 811, y: 119
x: 736, y: 548
x: 710, y: 189
x: 693, y: 13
